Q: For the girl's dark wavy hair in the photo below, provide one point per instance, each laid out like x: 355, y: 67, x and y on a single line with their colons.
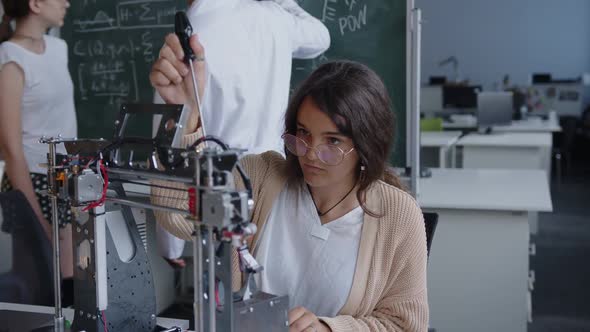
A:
x: 356, y: 100
x: 13, y: 9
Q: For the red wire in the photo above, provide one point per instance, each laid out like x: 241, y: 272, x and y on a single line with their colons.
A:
x: 105, y: 177
x: 104, y: 321
x: 217, y: 300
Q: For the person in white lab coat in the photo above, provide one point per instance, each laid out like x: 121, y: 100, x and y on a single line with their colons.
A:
x: 250, y: 45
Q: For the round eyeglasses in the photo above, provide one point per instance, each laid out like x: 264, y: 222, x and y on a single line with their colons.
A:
x: 330, y: 155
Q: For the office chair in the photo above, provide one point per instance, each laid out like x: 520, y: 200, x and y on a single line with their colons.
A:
x: 430, y: 222
x: 31, y: 279
x: 563, y: 146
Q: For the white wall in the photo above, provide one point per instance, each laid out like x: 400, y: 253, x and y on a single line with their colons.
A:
x: 515, y: 37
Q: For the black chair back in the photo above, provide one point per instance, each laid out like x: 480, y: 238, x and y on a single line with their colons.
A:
x: 430, y: 222
x: 32, y: 267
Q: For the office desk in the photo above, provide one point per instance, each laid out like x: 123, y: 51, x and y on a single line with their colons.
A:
x: 478, y: 272
x: 531, y: 125
x: 439, y: 146
x: 507, y: 150
x: 69, y: 314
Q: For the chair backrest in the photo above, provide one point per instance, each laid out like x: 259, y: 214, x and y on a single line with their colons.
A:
x: 430, y: 222
x: 31, y: 250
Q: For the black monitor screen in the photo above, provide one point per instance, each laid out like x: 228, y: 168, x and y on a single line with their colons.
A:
x: 438, y: 80
x: 539, y: 78
x: 460, y: 96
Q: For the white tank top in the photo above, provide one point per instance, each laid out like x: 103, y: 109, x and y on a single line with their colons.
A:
x: 312, y: 263
x: 47, y: 106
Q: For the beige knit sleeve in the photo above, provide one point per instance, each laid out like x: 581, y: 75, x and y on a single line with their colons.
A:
x: 402, y: 304
x: 177, y: 197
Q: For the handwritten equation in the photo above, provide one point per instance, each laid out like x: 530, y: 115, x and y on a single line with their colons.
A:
x: 350, y: 15
x: 143, y: 47
x: 129, y: 15
x: 342, y: 18
x: 116, y: 80
x: 113, y: 47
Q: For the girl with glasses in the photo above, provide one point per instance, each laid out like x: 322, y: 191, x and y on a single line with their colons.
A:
x: 335, y: 230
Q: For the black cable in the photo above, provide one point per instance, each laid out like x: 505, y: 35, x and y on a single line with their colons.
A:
x: 208, y: 138
x: 246, y: 179
x: 225, y: 147
x: 125, y: 140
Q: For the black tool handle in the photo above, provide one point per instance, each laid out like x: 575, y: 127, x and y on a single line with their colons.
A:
x: 184, y: 30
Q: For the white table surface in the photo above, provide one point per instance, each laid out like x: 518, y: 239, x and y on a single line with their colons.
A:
x: 507, y: 139
x: 486, y: 189
x: 69, y: 314
x: 531, y: 125
x: 439, y: 138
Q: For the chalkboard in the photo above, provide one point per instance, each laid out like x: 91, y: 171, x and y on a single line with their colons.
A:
x: 112, y: 46
x: 372, y: 32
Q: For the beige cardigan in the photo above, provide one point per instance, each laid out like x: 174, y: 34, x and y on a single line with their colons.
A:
x: 389, y: 286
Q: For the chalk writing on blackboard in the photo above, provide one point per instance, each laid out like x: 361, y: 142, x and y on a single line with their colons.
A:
x: 107, y: 67
x: 342, y: 17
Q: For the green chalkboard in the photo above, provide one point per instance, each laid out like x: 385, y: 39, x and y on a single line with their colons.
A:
x: 112, y: 46
x: 372, y: 32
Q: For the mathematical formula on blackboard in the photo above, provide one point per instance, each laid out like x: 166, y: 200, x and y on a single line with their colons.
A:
x: 115, y: 42
x: 342, y: 18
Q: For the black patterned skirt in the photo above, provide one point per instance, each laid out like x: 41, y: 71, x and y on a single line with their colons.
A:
x: 40, y: 184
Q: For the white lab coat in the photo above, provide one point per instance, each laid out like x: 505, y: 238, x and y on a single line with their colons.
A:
x: 249, y: 46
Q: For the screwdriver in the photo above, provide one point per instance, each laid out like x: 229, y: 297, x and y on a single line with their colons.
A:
x: 184, y: 30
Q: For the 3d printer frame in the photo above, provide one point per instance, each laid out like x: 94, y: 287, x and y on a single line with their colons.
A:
x: 92, y: 173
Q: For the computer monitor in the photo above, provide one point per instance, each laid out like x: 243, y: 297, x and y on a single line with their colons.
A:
x: 494, y: 109
x: 437, y: 80
x: 541, y: 78
x: 431, y: 99
x: 461, y: 97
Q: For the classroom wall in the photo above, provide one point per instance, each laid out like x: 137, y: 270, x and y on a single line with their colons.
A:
x: 494, y: 38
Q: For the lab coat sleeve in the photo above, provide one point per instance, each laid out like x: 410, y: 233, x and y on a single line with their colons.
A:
x: 309, y: 36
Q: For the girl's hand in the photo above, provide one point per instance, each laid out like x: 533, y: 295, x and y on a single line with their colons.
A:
x: 303, y: 320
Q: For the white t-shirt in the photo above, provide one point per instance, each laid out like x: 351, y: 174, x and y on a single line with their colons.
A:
x: 312, y: 263
x: 249, y: 46
x: 47, y: 107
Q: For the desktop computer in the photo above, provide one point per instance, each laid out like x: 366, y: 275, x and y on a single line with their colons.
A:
x: 494, y: 109
x: 460, y: 97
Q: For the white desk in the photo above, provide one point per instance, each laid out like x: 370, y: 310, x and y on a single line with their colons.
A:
x: 440, y: 144
x: 478, y: 268
x: 69, y: 314
x: 531, y: 125
x: 507, y: 150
